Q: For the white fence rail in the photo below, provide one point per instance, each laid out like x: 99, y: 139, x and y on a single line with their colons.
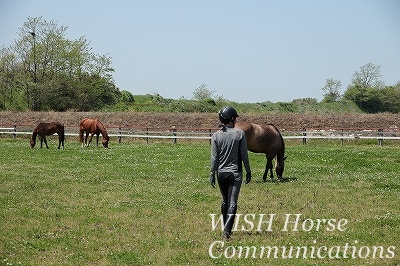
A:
x: 205, y: 134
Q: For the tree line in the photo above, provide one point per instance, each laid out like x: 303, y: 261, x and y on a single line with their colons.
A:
x: 367, y: 91
x: 43, y: 70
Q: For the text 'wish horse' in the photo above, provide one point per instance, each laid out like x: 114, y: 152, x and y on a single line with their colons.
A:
x: 46, y: 129
x: 93, y: 127
x: 265, y: 139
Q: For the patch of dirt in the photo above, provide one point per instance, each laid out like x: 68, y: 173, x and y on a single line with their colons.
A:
x: 202, y: 120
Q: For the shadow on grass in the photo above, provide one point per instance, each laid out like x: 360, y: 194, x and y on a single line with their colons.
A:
x: 282, y: 180
x: 275, y: 180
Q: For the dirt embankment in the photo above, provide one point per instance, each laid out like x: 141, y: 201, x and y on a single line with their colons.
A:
x: 203, y: 120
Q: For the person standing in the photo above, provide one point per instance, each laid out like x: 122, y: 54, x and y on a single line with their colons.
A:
x: 228, y: 152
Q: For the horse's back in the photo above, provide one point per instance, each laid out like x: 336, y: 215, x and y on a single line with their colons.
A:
x: 49, y: 128
x: 87, y: 124
x: 92, y: 125
x: 261, y: 139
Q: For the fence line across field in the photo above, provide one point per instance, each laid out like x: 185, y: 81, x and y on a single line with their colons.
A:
x: 206, y: 133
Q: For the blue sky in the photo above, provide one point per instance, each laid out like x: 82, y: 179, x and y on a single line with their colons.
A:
x: 245, y: 51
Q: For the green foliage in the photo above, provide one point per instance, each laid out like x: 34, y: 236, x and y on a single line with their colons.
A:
x: 331, y: 90
x: 156, y: 103
x: 127, y: 97
x: 374, y: 100
x: 44, y: 71
x: 368, y: 76
x: 202, y: 93
x: 136, y: 204
x: 53, y: 73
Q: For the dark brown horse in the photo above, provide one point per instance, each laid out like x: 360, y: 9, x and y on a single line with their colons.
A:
x: 46, y: 129
x: 265, y: 139
x: 93, y: 127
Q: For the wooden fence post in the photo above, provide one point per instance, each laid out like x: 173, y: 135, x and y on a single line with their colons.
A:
x: 15, y: 131
x: 174, y: 134
x: 341, y: 140
x: 119, y: 135
x: 380, y: 134
x: 304, y: 134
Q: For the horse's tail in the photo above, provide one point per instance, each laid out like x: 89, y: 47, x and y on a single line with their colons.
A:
x: 280, y: 156
x: 281, y: 151
x: 81, y: 132
x: 63, y: 133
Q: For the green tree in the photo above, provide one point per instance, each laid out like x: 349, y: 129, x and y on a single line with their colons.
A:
x: 368, y: 90
x: 367, y: 99
x: 368, y: 76
x: 127, y: 97
x: 52, y: 69
x: 391, y: 98
x: 203, y: 93
x: 331, y: 90
x: 9, y: 75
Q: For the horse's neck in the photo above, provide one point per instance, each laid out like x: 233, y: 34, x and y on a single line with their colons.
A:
x: 104, y: 133
x: 34, y: 134
x: 102, y: 129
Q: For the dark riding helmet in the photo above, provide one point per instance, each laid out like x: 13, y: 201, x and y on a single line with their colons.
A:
x: 227, y: 114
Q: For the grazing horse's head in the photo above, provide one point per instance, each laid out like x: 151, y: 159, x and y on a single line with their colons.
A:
x: 33, y: 143
x: 105, y: 141
x: 280, y: 166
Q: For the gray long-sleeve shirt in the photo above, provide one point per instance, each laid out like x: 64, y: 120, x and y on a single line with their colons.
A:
x: 228, y: 150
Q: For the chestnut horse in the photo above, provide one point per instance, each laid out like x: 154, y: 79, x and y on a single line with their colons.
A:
x: 92, y: 126
x: 265, y: 139
x: 46, y: 129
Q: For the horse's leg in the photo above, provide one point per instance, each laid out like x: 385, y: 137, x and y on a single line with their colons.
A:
x: 59, y: 141
x: 84, y: 143
x: 268, y: 167
x: 90, y: 139
x: 45, y: 142
x: 41, y: 142
x: 97, y: 140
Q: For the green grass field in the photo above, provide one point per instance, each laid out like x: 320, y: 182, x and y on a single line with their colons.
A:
x: 138, y: 204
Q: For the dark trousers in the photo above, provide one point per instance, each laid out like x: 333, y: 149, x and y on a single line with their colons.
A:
x: 229, y: 185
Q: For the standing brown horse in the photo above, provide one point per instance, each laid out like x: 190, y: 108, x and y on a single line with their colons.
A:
x: 92, y: 126
x: 265, y: 139
x: 46, y: 129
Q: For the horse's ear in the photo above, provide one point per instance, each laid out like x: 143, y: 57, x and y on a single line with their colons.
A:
x: 284, y: 158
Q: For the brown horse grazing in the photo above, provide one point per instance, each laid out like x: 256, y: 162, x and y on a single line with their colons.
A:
x: 46, y: 129
x: 92, y: 126
x: 265, y: 139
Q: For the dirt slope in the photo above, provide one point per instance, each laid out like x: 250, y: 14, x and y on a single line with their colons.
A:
x: 203, y: 120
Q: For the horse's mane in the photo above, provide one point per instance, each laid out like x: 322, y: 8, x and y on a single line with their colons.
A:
x: 34, y: 134
x: 102, y: 128
x: 35, y: 131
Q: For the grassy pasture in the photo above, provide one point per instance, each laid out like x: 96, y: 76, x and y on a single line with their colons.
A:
x: 138, y: 204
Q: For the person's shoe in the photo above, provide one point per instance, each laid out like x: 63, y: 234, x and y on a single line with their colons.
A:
x: 226, y: 236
